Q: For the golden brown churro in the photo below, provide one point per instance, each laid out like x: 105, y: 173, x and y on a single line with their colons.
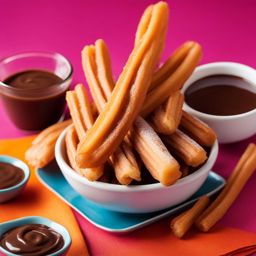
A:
x: 119, y: 113
x: 242, y: 172
x: 41, y: 151
x: 172, y: 75
x: 125, y: 164
x: 162, y: 166
x: 79, y: 105
x: 121, y: 155
x: 80, y: 110
x: 143, y: 24
x: 142, y: 29
x: 185, y: 148
x: 98, y: 61
x: 72, y: 140
x: 182, y: 223
x: 198, y: 130
x: 166, y: 118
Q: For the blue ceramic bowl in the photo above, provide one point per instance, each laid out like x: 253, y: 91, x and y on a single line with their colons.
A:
x: 4, y: 227
x: 11, y: 192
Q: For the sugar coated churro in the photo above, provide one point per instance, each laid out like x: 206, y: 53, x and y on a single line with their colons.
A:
x: 242, y: 172
x: 127, y: 97
x: 41, y: 151
x: 99, y: 77
x: 185, y: 148
x: 166, y: 118
x: 162, y: 166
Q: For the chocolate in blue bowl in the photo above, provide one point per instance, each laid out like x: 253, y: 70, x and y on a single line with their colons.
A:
x: 14, y: 175
x: 35, y: 236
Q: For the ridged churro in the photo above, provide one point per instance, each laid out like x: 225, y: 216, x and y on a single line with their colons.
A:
x: 166, y: 118
x: 241, y: 173
x: 99, y: 77
x: 162, y: 166
x: 172, y: 75
x: 82, y: 117
x: 79, y: 105
x: 183, y: 222
x: 127, y: 97
x: 153, y: 149
x: 197, y: 129
x: 41, y: 151
x: 185, y: 148
x: 72, y: 140
x: 125, y: 164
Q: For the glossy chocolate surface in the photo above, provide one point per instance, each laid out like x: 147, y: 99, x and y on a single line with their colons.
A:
x: 38, y: 110
x: 10, y: 175
x: 221, y: 95
x: 32, y: 240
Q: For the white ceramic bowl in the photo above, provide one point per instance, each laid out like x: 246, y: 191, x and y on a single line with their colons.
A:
x: 231, y: 128
x: 134, y: 198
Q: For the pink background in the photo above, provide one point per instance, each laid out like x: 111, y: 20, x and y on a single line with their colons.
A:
x: 226, y: 30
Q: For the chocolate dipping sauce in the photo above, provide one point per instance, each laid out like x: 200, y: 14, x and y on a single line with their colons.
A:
x: 32, y: 240
x: 10, y: 175
x: 220, y: 95
x: 36, y: 102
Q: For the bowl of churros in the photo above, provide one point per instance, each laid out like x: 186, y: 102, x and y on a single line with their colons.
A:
x: 137, y: 198
x: 132, y: 148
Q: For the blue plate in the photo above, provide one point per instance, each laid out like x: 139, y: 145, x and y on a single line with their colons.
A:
x: 112, y: 221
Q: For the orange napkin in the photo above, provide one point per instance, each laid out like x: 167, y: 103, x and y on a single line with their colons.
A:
x: 37, y: 200
x: 157, y: 239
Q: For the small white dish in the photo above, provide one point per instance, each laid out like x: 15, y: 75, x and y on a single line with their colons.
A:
x: 134, y: 198
x: 230, y: 128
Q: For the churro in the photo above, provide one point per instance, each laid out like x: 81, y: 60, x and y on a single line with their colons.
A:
x: 197, y: 129
x: 125, y: 164
x: 80, y: 110
x: 142, y: 29
x: 159, y: 162
x: 166, y: 118
x: 172, y: 75
x: 127, y: 97
x: 182, y: 223
x: 241, y: 173
x: 72, y: 140
x: 79, y: 106
x: 99, y: 77
x: 41, y: 152
x: 185, y: 148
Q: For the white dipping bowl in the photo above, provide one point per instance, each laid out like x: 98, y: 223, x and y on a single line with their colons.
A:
x: 230, y: 128
x: 133, y: 198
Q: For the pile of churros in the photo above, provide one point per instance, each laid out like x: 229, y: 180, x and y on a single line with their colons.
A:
x: 134, y: 124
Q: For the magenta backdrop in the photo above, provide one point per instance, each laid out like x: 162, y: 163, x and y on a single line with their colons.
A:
x: 226, y: 30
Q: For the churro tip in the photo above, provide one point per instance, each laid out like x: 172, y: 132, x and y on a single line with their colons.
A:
x: 171, y: 174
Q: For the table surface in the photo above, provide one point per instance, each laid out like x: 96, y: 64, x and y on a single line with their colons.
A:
x: 225, y: 29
